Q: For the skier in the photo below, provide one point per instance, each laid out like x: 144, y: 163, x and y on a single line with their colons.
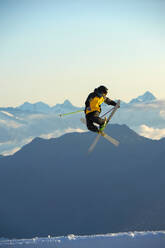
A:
x: 93, y: 108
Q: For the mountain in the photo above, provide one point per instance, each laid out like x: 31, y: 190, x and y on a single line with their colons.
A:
x: 146, y: 97
x: 64, y: 107
x: 41, y: 107
x: 53, y: 187
x: 36, y: 107
x: 21, y: 124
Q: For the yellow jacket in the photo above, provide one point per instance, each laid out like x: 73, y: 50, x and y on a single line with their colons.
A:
x: 94, y: 104
x: 94, y: 101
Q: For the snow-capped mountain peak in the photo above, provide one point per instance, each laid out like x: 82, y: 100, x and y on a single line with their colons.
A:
x: 146, y: 97
x: 67, y: 103
x: 65, y: 106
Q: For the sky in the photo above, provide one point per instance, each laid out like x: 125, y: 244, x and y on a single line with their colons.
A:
x: 55, y: 50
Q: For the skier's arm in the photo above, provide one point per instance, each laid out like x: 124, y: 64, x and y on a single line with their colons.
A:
x: 109, y: 101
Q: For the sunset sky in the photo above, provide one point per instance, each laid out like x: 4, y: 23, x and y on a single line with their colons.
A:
x: 55, y: 50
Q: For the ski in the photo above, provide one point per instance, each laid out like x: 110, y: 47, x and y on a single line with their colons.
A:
x: 110, y: 139
x: 99, y: 135
x: 103, y: 134
x: 92, y: 146
x: 107, y: 137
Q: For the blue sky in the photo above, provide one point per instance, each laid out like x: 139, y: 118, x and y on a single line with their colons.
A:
x: 56, y: 50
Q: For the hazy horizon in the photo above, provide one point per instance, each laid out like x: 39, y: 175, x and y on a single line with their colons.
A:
x: 51, y: 105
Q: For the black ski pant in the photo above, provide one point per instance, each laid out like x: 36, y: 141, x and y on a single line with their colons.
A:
x: 92, y: 118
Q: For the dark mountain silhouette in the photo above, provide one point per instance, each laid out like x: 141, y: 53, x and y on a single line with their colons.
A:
x: 54, y: 187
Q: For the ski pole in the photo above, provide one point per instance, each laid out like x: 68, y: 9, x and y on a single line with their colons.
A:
x: 75, y: 112
x: 107, y: 112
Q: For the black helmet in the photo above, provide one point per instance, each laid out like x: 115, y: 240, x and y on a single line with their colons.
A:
x: 102, y: 89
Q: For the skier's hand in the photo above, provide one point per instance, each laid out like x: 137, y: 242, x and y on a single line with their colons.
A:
x: 118, y: 106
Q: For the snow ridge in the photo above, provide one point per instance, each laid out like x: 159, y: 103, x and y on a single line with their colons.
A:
x: 152, y: 239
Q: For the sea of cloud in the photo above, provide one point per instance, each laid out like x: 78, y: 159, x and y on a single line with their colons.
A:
x: 58, y: 133
x: 157, y: 104
x: 11, y: 147
x: 147, y: 119
x: 152, y: 133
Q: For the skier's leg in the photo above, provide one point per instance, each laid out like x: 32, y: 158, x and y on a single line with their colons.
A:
x: 97, y: 119
x: 92, y: 118
x: 91, y: 126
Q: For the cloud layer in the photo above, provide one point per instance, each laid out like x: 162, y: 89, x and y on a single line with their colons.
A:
x: 17, y: 127
x: 152, y: 133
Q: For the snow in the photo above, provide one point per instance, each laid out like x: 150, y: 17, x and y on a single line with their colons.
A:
x: 151, y: 239
x: 7, y: 113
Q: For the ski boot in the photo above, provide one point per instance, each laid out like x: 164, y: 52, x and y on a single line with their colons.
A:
x: 103, y: 125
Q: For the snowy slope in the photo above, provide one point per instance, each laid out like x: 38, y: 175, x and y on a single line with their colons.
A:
x: 115, y: 240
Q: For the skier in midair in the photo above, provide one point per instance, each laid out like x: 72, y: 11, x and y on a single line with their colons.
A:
x: 93, y: 108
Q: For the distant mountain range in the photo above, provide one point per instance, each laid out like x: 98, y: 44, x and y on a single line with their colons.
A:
x: 67, y: 105
x: 20, y: 125
x: 53, y: 187
x: 41, y: 107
